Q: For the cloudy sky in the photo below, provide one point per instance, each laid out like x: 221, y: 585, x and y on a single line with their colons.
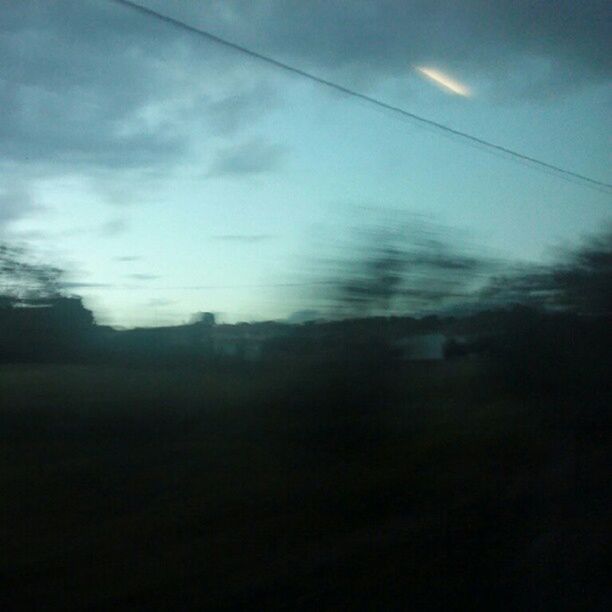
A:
x: 171, y: 175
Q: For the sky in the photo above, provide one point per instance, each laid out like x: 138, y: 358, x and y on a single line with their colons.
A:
x: 169, y: 175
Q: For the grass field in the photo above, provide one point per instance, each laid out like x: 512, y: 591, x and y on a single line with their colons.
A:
x: 177, y: 488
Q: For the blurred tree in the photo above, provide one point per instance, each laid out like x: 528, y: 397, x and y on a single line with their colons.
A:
x: 22, y: 279
x: 408, y: 269
x: 37, y: 321
x: 581, y: 281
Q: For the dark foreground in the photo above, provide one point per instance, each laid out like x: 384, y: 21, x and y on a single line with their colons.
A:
x: 271, y: 487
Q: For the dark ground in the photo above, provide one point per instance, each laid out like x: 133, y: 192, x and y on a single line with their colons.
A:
x: 297, y: 486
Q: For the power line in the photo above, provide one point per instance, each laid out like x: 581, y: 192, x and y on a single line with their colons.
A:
x: 123, y: 287
x: 487, y: 145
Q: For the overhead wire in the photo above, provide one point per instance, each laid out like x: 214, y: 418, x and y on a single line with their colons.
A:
x: 123, y: 287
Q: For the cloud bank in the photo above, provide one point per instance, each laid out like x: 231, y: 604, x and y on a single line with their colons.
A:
x: 524, y: 47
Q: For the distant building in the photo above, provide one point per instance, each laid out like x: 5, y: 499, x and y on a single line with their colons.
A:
x: 206, y: 319
x: 421, y: 347
x: 247, y: 342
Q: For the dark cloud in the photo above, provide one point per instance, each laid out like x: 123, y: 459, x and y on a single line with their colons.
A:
x: 91, y: 86
x: 127, y: 258
x: 112, y: 228
x: 241, y: 108
x: 143, y: 277
x: 244, y: 238
x: 255, y: 156
x: 84, y: 285
x: 107, y: 229
x: 16, y: 204
x: 29, y: 235
x: 551, y: 46
x: 76, y: 81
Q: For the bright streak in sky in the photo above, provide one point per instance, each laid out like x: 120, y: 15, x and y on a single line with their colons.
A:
x: 445, y: 81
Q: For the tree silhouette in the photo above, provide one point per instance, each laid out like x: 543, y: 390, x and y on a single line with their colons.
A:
x: 403, y: 270
x: 581, y: 281
x: 24, y: 279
